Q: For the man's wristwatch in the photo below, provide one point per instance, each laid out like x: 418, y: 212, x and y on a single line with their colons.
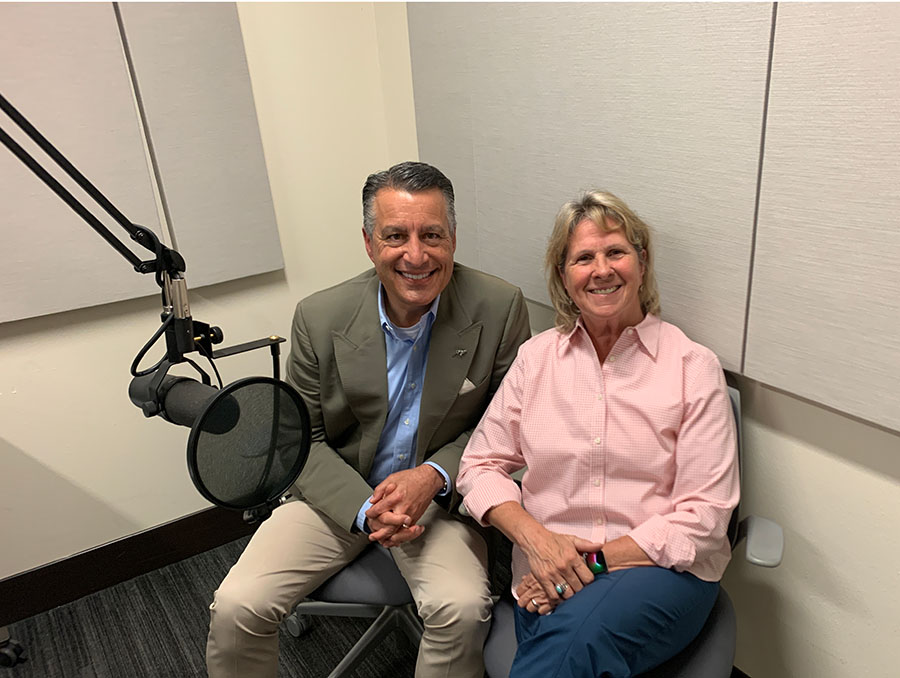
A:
x: 596, y: 562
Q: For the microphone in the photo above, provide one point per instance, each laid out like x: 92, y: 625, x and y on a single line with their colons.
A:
x: 181, y: 400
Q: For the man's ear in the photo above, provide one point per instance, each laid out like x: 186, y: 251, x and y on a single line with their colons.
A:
x: 367, y: 240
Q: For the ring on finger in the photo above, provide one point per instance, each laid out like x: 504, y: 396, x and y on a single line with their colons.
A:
x: 535, y: 603
x: 562, y: 588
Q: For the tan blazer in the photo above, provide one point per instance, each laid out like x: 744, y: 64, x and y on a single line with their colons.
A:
x: 339, y: 365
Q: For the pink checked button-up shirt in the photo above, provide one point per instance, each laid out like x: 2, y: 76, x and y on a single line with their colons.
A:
x: 643, y: 445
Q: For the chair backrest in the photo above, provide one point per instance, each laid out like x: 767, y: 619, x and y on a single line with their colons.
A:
x: 735, y: 396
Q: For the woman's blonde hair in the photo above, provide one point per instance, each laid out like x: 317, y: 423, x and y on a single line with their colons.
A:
x: 597, y: 207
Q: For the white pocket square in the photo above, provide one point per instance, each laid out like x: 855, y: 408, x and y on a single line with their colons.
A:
x: 466, y: 387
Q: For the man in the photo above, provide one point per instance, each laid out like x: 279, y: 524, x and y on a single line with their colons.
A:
x: 396, y: 367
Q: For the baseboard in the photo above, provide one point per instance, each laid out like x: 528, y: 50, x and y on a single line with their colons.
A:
x: 43, y: 588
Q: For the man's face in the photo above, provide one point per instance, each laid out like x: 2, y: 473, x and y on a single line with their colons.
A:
x: 412, y: 250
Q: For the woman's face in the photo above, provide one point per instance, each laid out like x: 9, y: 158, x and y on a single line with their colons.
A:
x: 602, y: 274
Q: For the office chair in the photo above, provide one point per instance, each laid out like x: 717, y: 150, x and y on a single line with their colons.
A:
x: 11, y: 653
x: 370, y: 586
x: 711, y: 653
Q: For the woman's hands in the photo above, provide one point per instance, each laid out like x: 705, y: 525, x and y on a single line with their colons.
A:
x: 555, y: 559
x: 558, y: 570
x: 620, y: 554
x: 531, y: 596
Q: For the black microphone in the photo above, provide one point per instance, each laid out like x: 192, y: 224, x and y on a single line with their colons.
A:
x: 181, y: 400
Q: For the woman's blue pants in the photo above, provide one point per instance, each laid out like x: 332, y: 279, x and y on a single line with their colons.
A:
x: 620, y: 625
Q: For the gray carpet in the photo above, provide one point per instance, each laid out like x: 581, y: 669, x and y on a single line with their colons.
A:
x: 155, y: 626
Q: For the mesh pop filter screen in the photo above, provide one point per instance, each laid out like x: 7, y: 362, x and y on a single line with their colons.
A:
x: 249, y: 444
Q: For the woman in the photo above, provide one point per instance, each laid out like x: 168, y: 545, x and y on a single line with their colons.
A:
x: 625, y: 427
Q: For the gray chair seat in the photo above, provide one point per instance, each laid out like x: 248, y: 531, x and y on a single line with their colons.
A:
x: 373, y: 579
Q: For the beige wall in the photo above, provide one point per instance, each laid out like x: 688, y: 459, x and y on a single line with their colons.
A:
x: 80, y: 466
x: 833, y: 483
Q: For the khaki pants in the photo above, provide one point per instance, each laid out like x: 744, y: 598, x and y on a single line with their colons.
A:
x: 298, y: 548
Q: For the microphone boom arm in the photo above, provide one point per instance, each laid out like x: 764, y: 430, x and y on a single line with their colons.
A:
x: 183, y: 334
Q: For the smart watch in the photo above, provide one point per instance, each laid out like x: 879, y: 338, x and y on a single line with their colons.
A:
x: 596, y: 562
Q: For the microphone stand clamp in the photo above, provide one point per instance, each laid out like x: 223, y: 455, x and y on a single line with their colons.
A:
x: 258, y: 514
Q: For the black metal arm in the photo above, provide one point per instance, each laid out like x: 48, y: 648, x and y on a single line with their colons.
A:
x: 183, y: 334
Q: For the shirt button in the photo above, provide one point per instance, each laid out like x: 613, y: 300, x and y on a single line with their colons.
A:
x: 600, y: 397
x: 412, y: 385
x: 599, y: 521
x: 406, y: 422
x: 596, y: 482
x: 402, y: 457
x: 630, y: 330
x: 597, y: 440
x: 611, y: 359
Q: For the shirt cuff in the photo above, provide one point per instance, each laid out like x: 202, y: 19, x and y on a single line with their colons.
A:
x: 361, y: 517
x: 489, y: 491
x: 448, y: 488
x: 664, y: 544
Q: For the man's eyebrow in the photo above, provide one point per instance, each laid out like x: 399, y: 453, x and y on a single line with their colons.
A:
x: 390, y: 229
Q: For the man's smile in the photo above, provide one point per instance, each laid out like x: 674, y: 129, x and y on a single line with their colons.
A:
x: 416, y: 276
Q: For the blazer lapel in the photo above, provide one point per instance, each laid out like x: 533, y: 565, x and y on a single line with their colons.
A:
x: 454, y: 339
x: 361, y: 362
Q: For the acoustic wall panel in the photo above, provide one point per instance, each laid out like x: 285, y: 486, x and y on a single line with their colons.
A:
x: 525, y: 105
x: 62, y: 67
x: 824, y: 318
x: 193, y: 80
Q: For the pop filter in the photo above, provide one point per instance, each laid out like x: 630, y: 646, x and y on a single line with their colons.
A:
x: 251, y: 462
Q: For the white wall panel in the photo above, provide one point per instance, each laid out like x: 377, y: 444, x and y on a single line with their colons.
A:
x: 192, y: 75
x: 824, y: 318
x: 524, y: 105
x: 62, y: 67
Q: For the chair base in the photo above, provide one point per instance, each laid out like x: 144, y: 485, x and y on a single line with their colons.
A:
x: 388, y: 618
x: 11, y: 653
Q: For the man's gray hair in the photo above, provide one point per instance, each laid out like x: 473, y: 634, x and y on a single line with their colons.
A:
x: 412, y: 177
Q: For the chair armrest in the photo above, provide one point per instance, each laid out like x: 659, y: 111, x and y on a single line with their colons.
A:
x: 765, y: 540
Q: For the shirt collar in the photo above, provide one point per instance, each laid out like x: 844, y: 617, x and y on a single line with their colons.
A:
x: 386, y: 323
x: 647, y: 333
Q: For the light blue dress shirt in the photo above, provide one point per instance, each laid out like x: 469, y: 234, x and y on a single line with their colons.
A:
x: 407, y: 359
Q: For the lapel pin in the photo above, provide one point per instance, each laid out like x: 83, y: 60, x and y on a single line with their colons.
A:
x: 460, y: 352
